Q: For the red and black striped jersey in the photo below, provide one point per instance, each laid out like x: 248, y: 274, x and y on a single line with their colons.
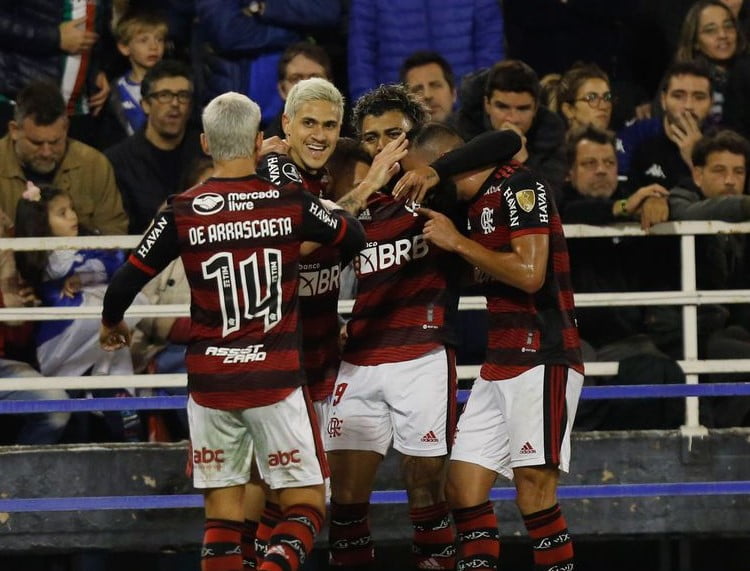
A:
x: 405, y: 299
x: 318, y: 286
x: 525, y: 330
x: 239, y: 241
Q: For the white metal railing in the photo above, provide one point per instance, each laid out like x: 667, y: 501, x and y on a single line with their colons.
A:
x: 688, y: 297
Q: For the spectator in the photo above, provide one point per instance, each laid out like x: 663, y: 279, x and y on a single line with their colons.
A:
x: 140, y: 38
x: 180, y: 18
x: 382, y: 33
x: 593, y: 197
x: 710, y: 34
x: 510, y: 93
x: 299, y: 61
x: 71, y: 278
x: 429, y: 76
x: 717, y: 191
x: 240, y: 44
x: 624, y: 334
x: 43, y: 41
x: 592, y: 174
x: 43, y: 428
x: 584, y: 97
x: 152, y: 164
x: 38, y: 149
x: 665, y: 157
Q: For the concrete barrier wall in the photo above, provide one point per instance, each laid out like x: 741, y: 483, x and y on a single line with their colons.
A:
x: 143, y: 469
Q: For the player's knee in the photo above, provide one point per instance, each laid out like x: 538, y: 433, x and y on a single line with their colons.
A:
x: 424, y: 478
x: 536, y: 488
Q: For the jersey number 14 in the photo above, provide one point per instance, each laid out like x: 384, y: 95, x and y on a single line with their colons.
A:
x: 261, y: 293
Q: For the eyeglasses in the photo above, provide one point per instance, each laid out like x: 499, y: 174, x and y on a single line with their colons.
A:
x: 166, y: 96
x: 593, y: 99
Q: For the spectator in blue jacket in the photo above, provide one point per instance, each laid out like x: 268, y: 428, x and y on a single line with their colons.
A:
x: 240, y: 44
x: 383, y: 33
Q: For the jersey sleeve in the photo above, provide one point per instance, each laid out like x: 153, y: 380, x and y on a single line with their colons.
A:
x: 525, y: 203
x: 159, y: 244
x: 484, y: 150
x: 334, y: 227
x: 279, y: 169
x: 157, y: 248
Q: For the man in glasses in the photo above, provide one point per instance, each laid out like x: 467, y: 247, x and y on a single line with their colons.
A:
x: 153, y: 162
x: 510, y: 99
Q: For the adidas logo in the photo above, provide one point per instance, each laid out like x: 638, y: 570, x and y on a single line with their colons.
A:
x: 365, y: 215
x: 429, y: 437
x: 527, y: 448
x: 655, y: 170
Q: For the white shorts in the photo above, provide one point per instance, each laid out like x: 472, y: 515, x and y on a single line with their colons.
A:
x: 322, y: 410
x: 410, y: 402
x: 282, y: 436
x: 523, y: 421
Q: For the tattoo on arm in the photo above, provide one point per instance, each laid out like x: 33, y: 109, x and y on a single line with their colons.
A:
x: 350, y: 203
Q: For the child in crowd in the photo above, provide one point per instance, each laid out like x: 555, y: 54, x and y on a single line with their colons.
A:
x: 68, y: 278
x: 140, y: 37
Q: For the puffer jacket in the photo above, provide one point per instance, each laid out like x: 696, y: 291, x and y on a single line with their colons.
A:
x: 29, y: 43
x: 469, y: 34
x: 237, y: 52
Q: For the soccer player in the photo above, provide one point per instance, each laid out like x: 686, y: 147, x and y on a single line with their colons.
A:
x: 397, y: 379
x: 311, y: 122
x: 239, y: 238
x: 518, y: 419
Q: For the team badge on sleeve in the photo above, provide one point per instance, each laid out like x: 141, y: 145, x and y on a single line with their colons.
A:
x: 526, y: 199
x: 291, y: 172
